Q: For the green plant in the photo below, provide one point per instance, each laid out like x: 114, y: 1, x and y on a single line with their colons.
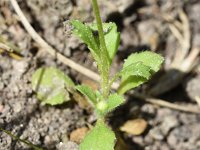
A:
x: 102, y: 39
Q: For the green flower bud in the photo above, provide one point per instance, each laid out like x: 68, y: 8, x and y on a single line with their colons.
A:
x: 102, y: 106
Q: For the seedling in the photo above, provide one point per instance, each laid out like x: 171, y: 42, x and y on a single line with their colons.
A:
x: 102, y: 40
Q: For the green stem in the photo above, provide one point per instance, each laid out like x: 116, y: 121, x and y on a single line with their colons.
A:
x: 104, y: 68
x: 21, y: 140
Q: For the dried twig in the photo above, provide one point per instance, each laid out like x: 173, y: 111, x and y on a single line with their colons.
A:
x: 181, y: 30
x: 160, y: 102
x: 185, y: 108
x: 197, y: 99
x: 183, y: 61
x: 80, y: 68
x: 4, y: 46
x: 191, y: 60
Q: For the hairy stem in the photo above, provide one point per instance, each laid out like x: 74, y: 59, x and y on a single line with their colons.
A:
x: 104, y: 67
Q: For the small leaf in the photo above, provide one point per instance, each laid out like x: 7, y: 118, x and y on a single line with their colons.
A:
x: 148, y: 58
x: 114, y: 100
x: 136, y: 69
x: 129, y: 83
x: 103, y: 107
x: 84, y: 32
x: 147, y: 64
x: 134, y: 127
x: 133, y: 75
x: 112, y: 38
x: 101, y: 137
x: 51, y: 85
x: 88, y: 92
x: 99, y: 96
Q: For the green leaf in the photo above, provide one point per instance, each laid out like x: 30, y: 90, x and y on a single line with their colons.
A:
x: 101, y: 137
x: 129, y: 83
x: 88, y: 92
x: 84, y: 32
x: 112, y: 38
x: 51, y: 85
x: 99, y: 96
x: 138, y: 68
x: 114, y: 100
x: 148, y: 58
x: 103, y: 107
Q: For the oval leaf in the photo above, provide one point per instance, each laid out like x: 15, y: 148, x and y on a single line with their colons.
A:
x: 101, y: 137
x: 51, y: 85
x: 147, y: 64
x: 148, y: 58
x: 136, y: 69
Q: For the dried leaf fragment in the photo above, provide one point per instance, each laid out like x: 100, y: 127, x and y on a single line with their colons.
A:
x: 134, y: 127
x: 78, y: 134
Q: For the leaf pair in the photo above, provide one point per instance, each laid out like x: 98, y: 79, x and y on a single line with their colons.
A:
x: 51, y: 84
x: 101, y: 106
x: 88, y: 33
x: 101, y: 137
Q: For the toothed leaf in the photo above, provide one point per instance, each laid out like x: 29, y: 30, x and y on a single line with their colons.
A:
x: 147, y: 64
x: 84, y: 32
x: 148, y: 58
x: 136, y: 69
